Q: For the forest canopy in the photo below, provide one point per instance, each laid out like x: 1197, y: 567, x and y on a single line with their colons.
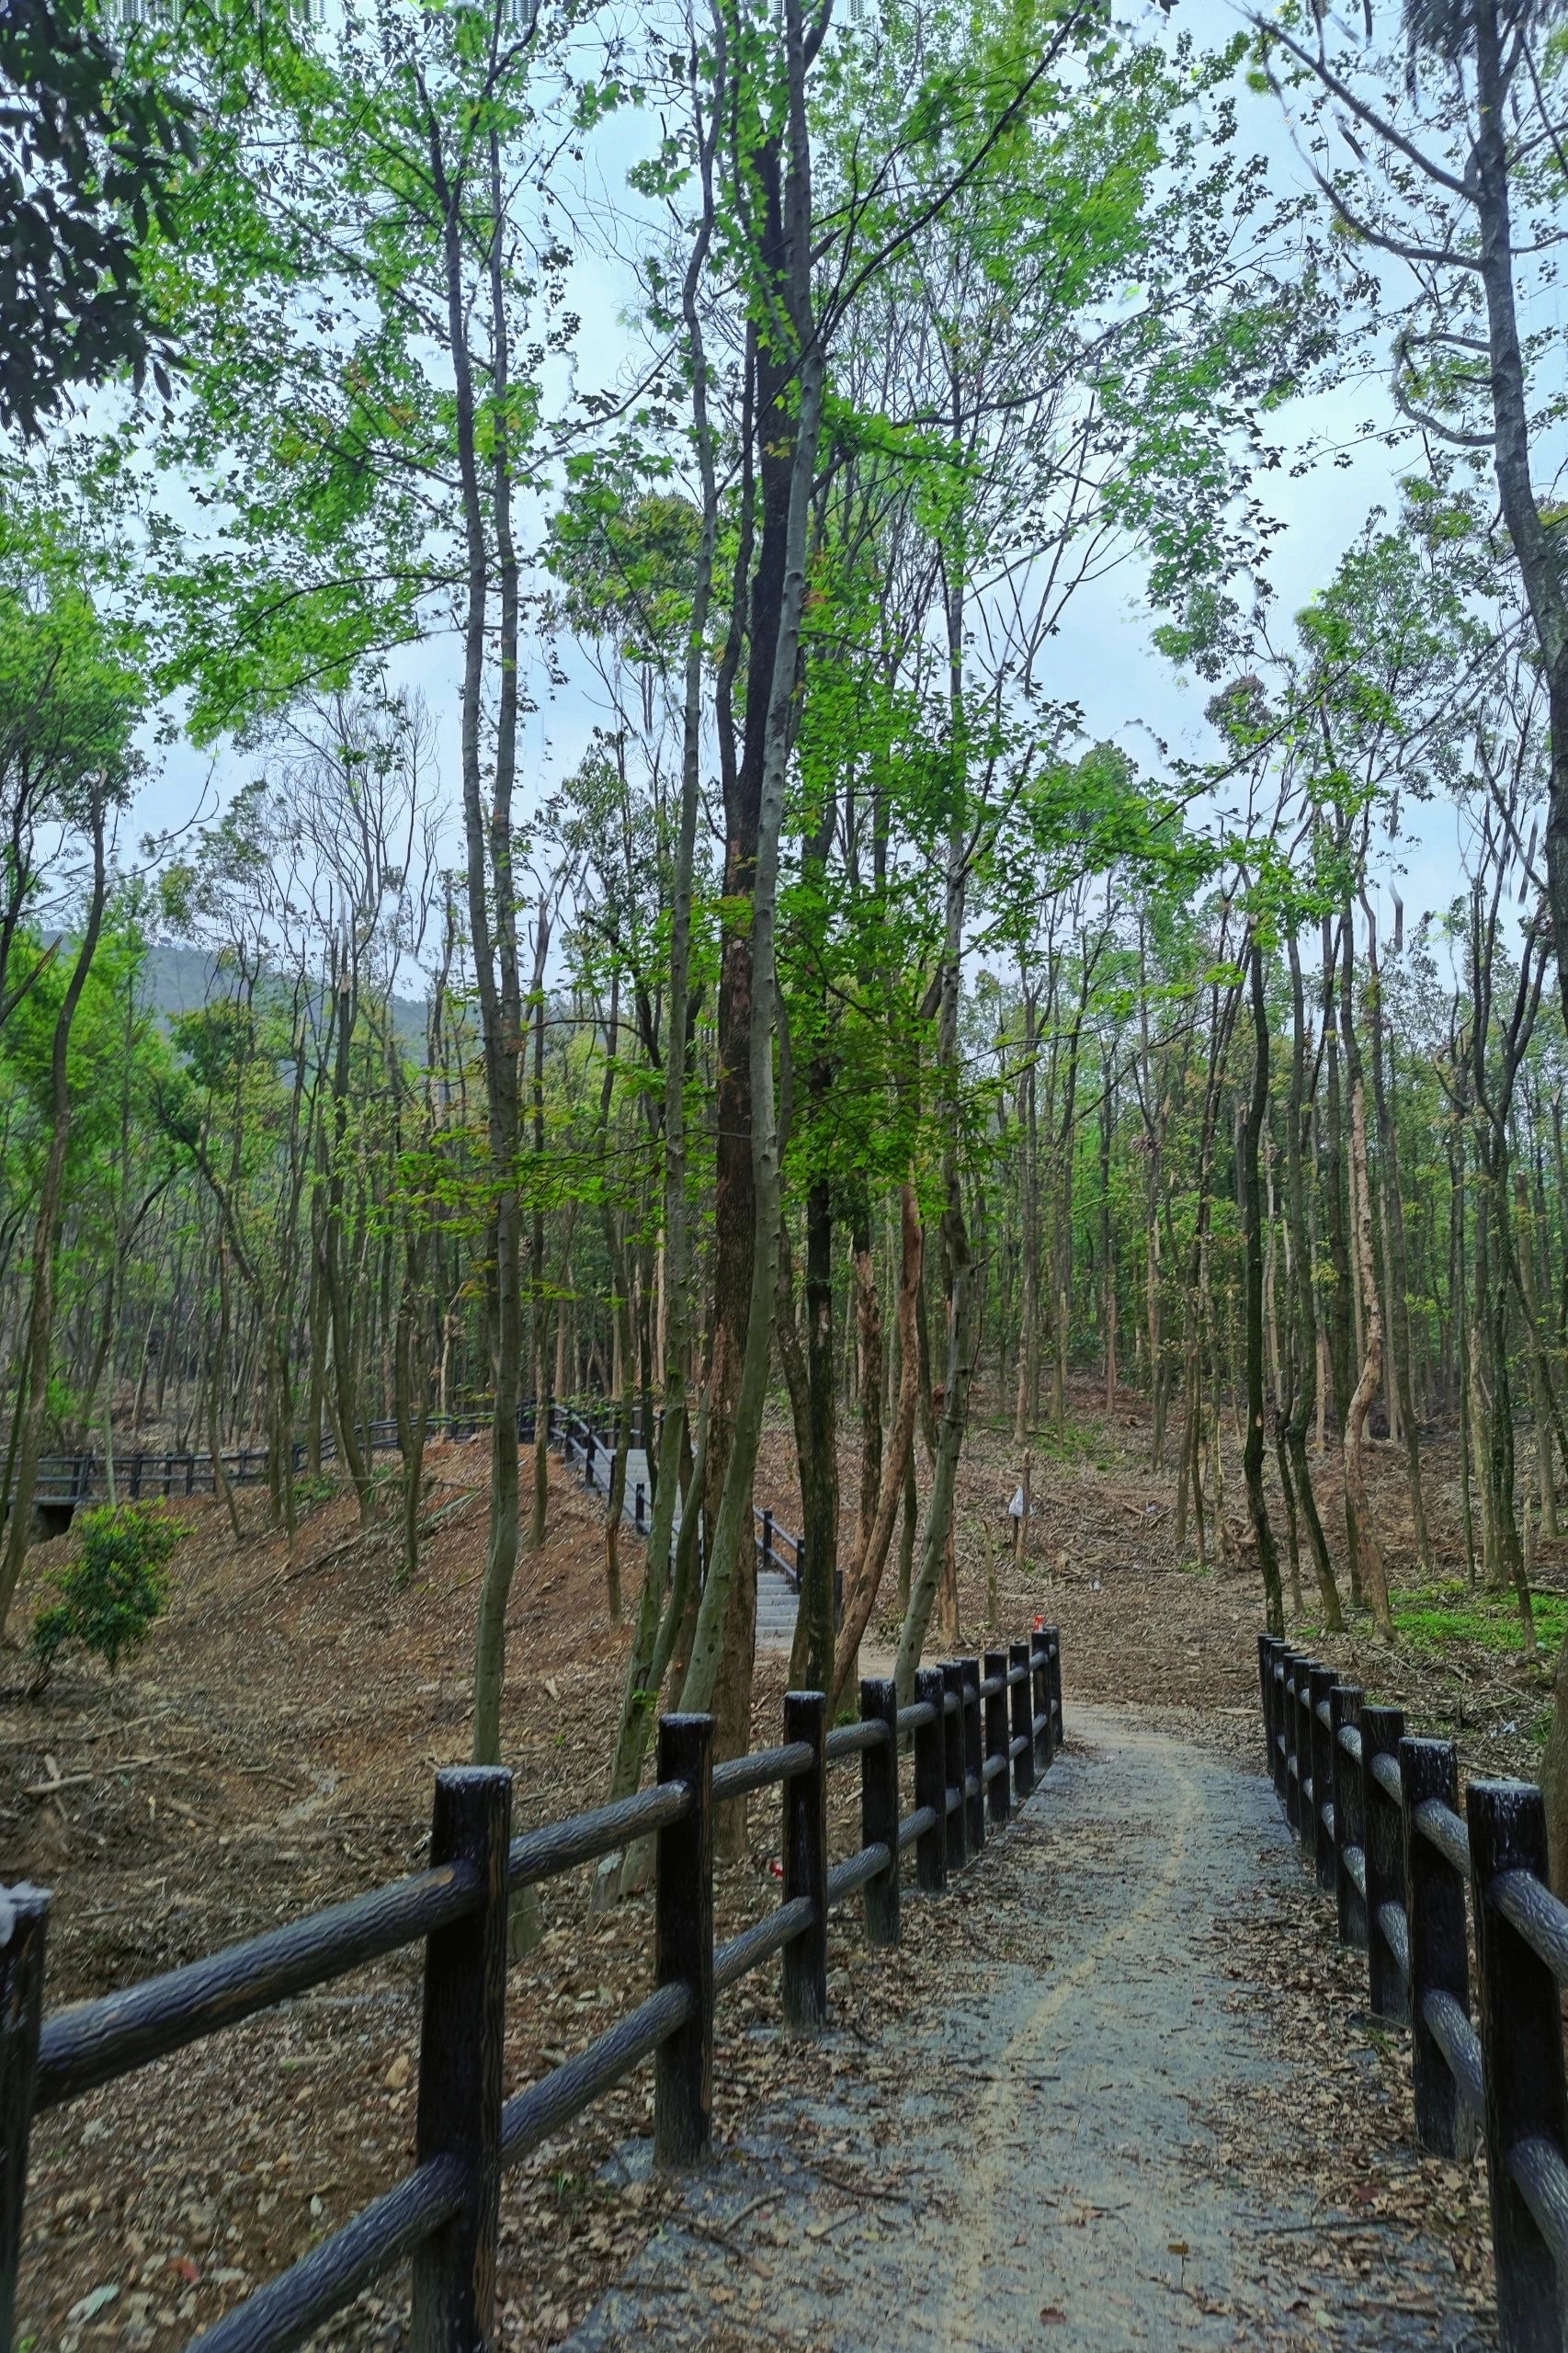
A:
x: 767, y: 679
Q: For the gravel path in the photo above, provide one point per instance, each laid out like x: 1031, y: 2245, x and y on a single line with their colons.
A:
x: 1083, y: 2137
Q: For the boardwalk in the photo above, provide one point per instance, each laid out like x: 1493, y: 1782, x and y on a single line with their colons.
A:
x: 66, y: 1483
x: 777, y: 1603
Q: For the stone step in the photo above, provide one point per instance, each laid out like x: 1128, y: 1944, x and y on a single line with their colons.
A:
x: 777, y: 1605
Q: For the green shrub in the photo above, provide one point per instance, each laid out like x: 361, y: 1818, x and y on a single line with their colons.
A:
x: 113, y: 1589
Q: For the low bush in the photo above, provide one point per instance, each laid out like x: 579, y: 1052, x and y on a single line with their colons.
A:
x: 112, y: 1591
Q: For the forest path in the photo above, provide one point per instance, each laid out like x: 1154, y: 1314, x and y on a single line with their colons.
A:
x: 1084, y: 2132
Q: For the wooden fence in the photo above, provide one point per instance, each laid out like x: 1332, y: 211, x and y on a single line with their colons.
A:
x: 589, y: 1432
x: 586, y: 1430
x: 141, y: 1472
x: 1377, y: 1814
x: 980, y: 1734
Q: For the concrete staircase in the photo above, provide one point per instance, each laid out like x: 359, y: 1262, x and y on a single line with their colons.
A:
x: 777, y: 1603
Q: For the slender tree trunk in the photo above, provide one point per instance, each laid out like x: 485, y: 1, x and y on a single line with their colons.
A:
x: 491, y: 902
x: 1358, y: 1514
x: 1333, y: 1175
x: 731, y: 1566
x: 539, y: 1515
x: 726, y: 1617
x: 46, y: 1232
x: 868, y: 1320
x: 662, y: 1606
x: 863, y: 1583
x: 1308, y: 1392
x: 1252, y: 1452
x: 1535, y: 1344
x: 1398, y: 1261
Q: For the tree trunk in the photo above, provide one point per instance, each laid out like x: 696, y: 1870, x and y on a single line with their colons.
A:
x: 1398, y: 1261
x: 1374, y: 1575
x: 34, y: 1403
x: 1252, y: 1452
x: 863, y: 1583
x: 726, y: 1618
x: 661, y: 1606
x: 491, y: 908
x: 1307, y: 1393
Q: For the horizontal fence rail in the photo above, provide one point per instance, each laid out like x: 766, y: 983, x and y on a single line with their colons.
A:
x: 1377, y: 1814
x: 151, y: 1473
x: 981, y: 1733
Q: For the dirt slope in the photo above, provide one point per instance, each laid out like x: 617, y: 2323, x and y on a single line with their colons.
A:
x: 273, y: 1749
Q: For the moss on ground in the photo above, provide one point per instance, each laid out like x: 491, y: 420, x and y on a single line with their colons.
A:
x: 1431, y: 1616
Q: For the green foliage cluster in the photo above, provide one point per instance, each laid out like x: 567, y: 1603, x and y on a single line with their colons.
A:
x: 90, y: 152
x: 112, y: 1591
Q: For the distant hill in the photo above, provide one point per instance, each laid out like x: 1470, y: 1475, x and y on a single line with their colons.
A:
x: 181, y: 980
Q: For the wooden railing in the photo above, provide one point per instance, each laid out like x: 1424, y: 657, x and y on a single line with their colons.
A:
x: 586, y: 1430
x: 141, y: 1472
x: 590, y: 1433
x: 1377, y: 1815
x: 145, y: 1473
x: 980, y: 1734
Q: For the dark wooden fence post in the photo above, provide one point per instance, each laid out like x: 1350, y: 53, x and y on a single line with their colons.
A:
x: 767, y: 1540
x: 1382, y: 1729
x: 1022, y: 1727
x: 24, y: 1922
x: 1307, y: 1825
x: 460, y: 2046
x: 1521, y: 2040
x: 878, y: 1806
x: 1000, y: 1783
x: 953, y: 1766
x: 683, y: 1945
x: 1350, y: 1815
x: 1039, y: 1700
x: 637, y: 1505
x: 1053, y: 1688
x: 1266, y: 1685
x: 1277, y: 1719
x: 1291, y: 1718
x: 1439, y: 1961
x: 930, y: 1783
x: 1320, y: 1683
x: 973, y: 1756
x: 1295, y: 1667
x: 805, y: 1862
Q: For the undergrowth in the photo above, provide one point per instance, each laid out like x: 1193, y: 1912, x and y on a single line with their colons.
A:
x: 1431, y: 1617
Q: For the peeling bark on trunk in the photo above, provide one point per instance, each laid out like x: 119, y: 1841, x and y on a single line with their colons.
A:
x: 1251, y: 1456
x: 1308, y: 1393
x: 1374, y: 1575
x: 864, y: 1580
